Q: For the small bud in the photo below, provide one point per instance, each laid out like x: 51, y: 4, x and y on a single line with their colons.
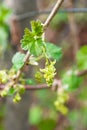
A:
x: 17, y: 98
x: 3, y: 93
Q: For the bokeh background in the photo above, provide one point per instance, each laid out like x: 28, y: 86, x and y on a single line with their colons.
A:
x: 67, y: 30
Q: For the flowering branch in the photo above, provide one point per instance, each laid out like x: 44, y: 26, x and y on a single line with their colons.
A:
x: 44, y: 86
x: 50, y: 17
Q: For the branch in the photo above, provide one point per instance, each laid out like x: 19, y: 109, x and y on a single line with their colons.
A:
x: 17, y: 76
x: 53, y: 12
x: 37, y: 87
x: 47, y: 22
x: 44, y: 86
x: 30, y: 87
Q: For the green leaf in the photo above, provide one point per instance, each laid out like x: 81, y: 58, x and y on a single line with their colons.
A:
x: 53, y: 51
x: 82, y: 58
x: 71, y: 81
x: 32, y: 42
x: 27, y: 40
x: 36, y: 48
x: 18, y: 60
x: 37, y: 28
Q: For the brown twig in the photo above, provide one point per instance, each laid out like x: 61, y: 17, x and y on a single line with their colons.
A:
x: 53, y: 12
x: 30, y: 87
x: 44, y: 86
x: 16, y: 78
x: 37, y: 87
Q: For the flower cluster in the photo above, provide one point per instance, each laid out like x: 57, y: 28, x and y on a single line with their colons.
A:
x: 60, y: 102
x: 49, y: 72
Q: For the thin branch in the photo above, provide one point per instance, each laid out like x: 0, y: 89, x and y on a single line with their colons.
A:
x: 53, y: 12
x: 20, y: 71
x: 56, y: 83
x: 37, y: 87
x: 30, y: 87
x: 44, y: 86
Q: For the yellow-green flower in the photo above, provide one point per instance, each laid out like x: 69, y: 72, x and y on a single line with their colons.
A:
x: 49, y: 72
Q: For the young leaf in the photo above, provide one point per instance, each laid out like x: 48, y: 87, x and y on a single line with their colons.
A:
x: 18, y: 60
x: 37, y: 28
x: 36, y: 48
x: 28, y: 39
x: 32, y: 42
x: 53, y: 51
